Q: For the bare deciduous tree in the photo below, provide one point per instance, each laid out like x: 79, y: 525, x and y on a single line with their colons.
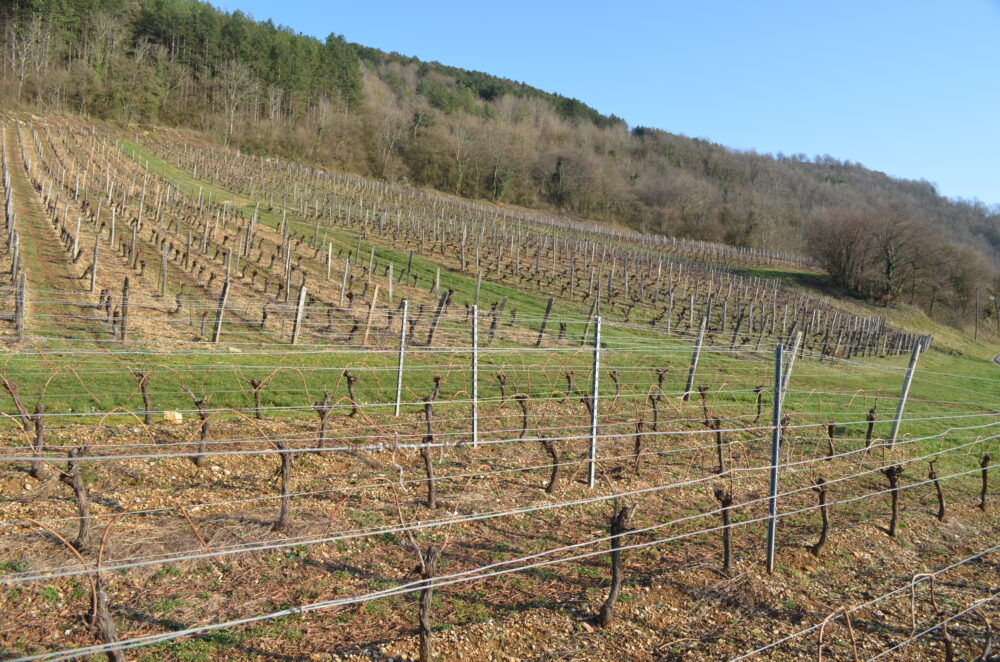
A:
x: 233, y: 84
x: 29, y: 43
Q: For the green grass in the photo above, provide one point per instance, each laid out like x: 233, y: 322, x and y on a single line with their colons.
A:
x: 164, y: 606
x: 50, y: 594
x: 206, y: 647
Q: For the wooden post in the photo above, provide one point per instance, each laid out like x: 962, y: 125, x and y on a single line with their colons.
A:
x: 791, y: 361
x: 772, y: 504
x: 437, y: 318
x: 586, y: 327
x: 670, y: 310
x: 545, y: 320
x: 475, y: 375
x: 390, y: 284
x: 299, y: 308
x: 402, y: 351
x: 694, y: 361
x: 163, y: 268
x: 371, y: 313
x: 462, y: 248
x: 984, y: 464
x: 288, y: 271
x: 20, y: 300
x: 904, y: 393
x: 123, y: 326
x: 93, y: 265
x: 343, y: 282
x: 592, y: 464
x: 76, y: 240
x: 217, y: 330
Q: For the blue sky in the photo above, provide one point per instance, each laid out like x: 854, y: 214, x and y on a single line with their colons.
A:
x: 909, y: 88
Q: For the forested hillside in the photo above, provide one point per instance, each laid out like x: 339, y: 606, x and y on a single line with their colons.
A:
x: 265, y: 89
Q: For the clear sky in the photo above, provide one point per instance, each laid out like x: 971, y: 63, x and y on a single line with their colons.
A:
x: 911, y: 88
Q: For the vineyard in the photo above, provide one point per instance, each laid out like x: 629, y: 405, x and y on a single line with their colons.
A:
x: 256, y: 410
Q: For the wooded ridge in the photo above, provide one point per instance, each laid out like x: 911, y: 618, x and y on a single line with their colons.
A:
x: 265, y: 89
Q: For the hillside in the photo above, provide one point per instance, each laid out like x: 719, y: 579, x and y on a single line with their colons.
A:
x: 258, y: 410
x: 269, y: 90
x: 315, y: 352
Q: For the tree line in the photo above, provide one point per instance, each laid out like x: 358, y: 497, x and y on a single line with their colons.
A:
x: 267, y: 89
x: 888, y: 255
